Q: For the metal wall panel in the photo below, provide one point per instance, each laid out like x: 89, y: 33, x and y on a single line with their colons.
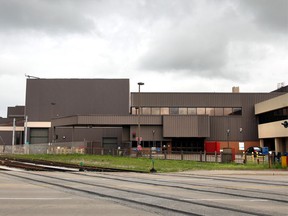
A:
x: 87, y: 134
x: 185, y: 126
x: 119, y: 120
x: 199, y: 99
x: 218, y: 125
x: 146, y: 132
x: 17, y: 111
x: 50, y: 98
x: 65, y: 121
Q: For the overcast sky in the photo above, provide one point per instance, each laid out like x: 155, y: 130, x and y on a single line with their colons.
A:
x: 170, y: 45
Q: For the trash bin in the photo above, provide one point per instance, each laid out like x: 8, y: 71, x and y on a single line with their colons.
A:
x: 284, y: 160
x: 265, y: 150
x: 228, y: 155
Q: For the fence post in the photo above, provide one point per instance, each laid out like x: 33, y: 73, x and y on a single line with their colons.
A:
x: 165, y: 154
x: 270, y: 160
x: 200, y: 156
x: 216, y: 157
x: 205, y: 156
x: 181, y: 154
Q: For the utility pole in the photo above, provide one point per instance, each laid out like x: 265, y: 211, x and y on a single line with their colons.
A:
x: 13, y: 134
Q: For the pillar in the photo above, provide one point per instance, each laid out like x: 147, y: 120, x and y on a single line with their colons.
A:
x: 261, y: 143
x: 278, y: 147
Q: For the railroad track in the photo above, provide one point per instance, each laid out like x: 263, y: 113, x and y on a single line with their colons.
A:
x: 167, y: 194
x: 43, y: 165
x: 162, y: 203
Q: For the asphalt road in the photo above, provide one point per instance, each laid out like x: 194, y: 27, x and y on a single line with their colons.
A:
x: 187, y: 193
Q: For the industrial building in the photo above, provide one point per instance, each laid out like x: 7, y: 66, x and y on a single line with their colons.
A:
x: 103, y: 111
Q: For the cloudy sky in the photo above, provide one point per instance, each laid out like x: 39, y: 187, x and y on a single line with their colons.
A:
x: 170, y: 45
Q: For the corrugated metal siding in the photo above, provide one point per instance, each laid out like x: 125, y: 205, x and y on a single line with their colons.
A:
x: 66, y: 121
x: 199, y: 99
x: 49, y: 98
x: 88, y: 134
x: 185, y: 126
x: 107, y: 120
x: 187, y: 99
x: 146, y: 132
x: 17, y: 111
x: 119, y: 120
x: 219, y: 125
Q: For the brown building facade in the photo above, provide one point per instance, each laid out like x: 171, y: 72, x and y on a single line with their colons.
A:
x: 105, y: 112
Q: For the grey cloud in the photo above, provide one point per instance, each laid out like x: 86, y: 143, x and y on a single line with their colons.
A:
x: 200, y: 50
x: 187, y: 51
x: 47, y: 16
x: 272, y: 14
x: 203, y: 49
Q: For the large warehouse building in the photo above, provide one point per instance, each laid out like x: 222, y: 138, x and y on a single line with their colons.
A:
x: 104, y: 111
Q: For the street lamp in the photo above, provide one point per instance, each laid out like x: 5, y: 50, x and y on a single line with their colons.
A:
x: 139, y: 111
x: 153, y: 132
x: 228, y: 133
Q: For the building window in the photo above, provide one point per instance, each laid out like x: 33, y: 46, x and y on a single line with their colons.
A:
x: 220, y: 111
x: 155, y: 111
x: 274, y: 115
x: 210, y: 111
x: 146, y: 110
x: 228, y: 111
x: 200, y: 111
x: 182, y: 111
x: 237, y: 111
x: 192, y: 111
x: 174, y: 111
x: 164, y: 111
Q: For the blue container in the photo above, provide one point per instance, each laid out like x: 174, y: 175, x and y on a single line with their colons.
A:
x: 265, y: 150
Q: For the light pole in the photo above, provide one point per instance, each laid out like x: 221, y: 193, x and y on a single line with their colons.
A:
x: 53, y: 138
x: 228, y: 133
x: 139, y: 112
x: 153, y: 132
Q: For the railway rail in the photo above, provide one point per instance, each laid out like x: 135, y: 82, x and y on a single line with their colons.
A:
x: 43, y: 165
x: 164, y: 194
x: 250, y: 193
x: 161, y: 203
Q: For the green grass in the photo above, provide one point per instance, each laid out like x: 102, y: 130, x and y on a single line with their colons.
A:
x: 144, y: 164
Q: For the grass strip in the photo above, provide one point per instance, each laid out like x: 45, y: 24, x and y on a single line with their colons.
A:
x: 142, y: 164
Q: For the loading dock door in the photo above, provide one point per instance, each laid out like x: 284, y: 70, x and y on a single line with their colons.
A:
x: 39, y: 135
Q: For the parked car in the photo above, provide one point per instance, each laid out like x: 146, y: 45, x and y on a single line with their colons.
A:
x: 255, y: 150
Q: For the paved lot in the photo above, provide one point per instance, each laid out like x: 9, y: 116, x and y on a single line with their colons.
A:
x: 197, y: 193
x: 19, y: 198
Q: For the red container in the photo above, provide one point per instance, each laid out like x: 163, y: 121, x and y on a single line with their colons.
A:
x: 212, y: 147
